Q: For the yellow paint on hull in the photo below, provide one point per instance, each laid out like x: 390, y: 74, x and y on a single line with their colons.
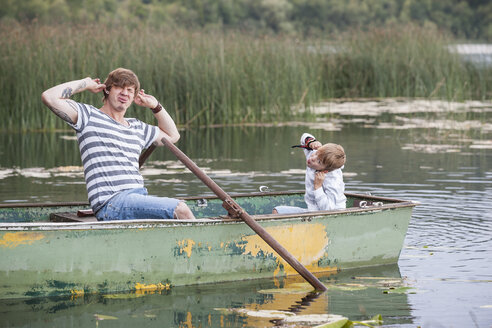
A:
x: 149, y: 288
x: 186, y: 246
x: 77, y: 292
x: 306, y: 242
x: 14, y: 239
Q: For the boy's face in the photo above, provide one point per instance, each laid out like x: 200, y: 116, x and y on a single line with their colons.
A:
x: 314, y: 162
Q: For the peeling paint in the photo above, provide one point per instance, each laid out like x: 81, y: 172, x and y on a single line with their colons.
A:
x: 306, y: 242
x: 77, y: 292
x: 150, y: 287
x: 14, y: 239
x: 186, y: 246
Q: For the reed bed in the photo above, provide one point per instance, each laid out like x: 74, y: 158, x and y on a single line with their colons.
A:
x: 211, y: 77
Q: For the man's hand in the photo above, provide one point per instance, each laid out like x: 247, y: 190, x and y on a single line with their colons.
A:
x: 94, y: 85
x: 319, y: 177
x: 165, y: 122
x: 145, y: 100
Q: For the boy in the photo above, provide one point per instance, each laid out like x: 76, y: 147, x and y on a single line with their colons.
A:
x: 324, y: 180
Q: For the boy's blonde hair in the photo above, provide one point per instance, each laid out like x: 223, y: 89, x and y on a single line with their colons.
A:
x: 121, y: 77
x: 332, y: 156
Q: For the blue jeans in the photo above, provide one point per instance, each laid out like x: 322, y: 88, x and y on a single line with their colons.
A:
x: 136, y: 204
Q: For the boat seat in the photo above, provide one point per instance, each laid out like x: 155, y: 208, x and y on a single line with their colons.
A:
x: 71, y: 217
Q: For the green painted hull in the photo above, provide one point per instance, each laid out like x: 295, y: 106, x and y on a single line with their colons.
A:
x: 41, y: 258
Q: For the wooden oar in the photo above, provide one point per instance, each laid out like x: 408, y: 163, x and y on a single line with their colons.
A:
x: 143, y: 157
x: 235, y: 210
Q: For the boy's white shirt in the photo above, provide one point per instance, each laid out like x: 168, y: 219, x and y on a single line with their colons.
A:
x: 331, y: 195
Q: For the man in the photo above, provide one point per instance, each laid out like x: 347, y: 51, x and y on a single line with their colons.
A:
x: 110, y: 145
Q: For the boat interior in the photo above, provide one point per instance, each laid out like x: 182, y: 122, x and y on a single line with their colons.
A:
x: 209, y: 207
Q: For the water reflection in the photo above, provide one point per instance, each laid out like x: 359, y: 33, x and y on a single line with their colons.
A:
x: 357, y: 295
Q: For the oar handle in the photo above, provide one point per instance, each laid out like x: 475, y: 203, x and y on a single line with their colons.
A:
x: 289, y: 258
x: 143, y: 157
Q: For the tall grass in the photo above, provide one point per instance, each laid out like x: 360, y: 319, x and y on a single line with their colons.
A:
x: 227, y: 77
x: 402, y: 62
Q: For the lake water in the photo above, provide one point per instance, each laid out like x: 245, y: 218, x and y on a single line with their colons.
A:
x: 437, y: 153
x: 478, y: 54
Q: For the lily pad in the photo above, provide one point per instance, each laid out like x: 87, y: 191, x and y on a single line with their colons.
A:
x: 376, y: 320
x: 123, y: 296
x: 335, y: 321
x: 100, y: 317
x: 347, y: 287
x: 290, y: 317
x: 400, y: 290
x: 272, y: 314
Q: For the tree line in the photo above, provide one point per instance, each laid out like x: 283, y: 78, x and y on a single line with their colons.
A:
x: 464, y: 19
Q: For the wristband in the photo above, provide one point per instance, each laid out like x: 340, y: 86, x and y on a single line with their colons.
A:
x: 157, y: 108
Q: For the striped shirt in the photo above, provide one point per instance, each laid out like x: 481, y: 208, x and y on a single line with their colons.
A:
x: 331, y: 196
x: 110, y: 152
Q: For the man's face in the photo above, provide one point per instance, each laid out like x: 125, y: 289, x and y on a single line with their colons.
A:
x: 120, y: 98
x: 314, y: 162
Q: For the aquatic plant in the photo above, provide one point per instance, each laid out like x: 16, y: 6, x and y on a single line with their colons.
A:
x: 217, y: 77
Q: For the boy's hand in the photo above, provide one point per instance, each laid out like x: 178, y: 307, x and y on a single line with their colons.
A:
x: 315, y: 145
x: 319, y: 177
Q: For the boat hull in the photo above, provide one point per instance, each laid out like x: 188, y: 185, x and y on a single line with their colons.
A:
x: 46, y: 259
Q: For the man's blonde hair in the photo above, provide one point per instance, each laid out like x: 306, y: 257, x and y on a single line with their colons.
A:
x: 121, y: 77
x: 332, y: 156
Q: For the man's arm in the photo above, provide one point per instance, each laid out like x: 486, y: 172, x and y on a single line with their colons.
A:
x: 167, y: 127
x: 165, y: 122
x: 57, y: 97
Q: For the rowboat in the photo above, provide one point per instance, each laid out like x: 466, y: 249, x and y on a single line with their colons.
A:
x: 49, y: 249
